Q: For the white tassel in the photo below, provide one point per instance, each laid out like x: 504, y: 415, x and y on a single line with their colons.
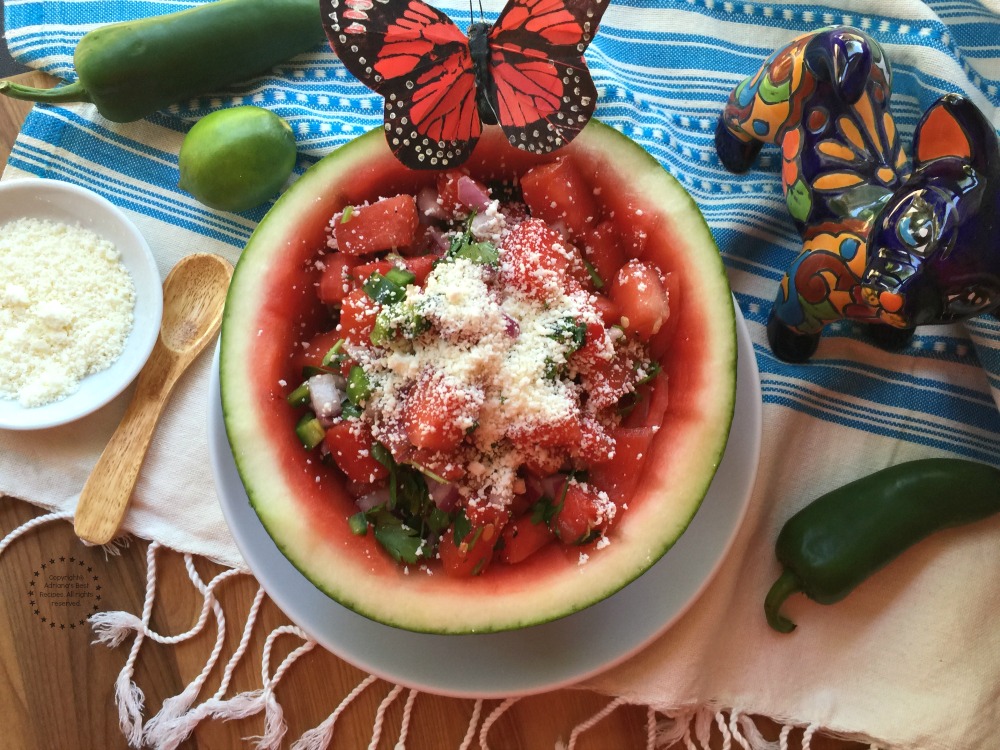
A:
x: 274, y: 720
x: 674, y: 727
x: 128, y: 696
x: 595, y: 719
x: 727, y: 737
x: 130, y: 702
x: 703, y: 727
x: 751, y: 733
x: 274, y: 723
x: 240, y: 706
x: 172, y: 734
x: 470, y: 733
x: 492, y: 719
x: 807, y: 736
x: 174, y: 717
x: 319, y: 738
x: 172, y: 721
x: 171, y: 726
x: 115, y: 546
x: 380, y: 715
x: 786, y: 730
x: 111, y: 628
x: 404, y: 728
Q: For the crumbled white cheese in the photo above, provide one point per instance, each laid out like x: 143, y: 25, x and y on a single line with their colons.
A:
x: 495, y: 345
x: 66, y: 309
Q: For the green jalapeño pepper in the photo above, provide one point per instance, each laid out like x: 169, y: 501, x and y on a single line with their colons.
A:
x: 130, y: 70
x: 834, y: 543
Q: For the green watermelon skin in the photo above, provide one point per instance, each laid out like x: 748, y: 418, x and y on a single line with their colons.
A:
x: 302, y: 503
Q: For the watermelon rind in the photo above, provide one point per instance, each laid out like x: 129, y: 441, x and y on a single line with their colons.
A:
x: 306, y: 515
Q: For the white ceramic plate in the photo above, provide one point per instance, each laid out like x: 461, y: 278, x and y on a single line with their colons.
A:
x: 54, y: 200
x: 530, y: 660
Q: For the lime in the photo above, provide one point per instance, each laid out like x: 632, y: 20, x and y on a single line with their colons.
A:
x: 235, y: 159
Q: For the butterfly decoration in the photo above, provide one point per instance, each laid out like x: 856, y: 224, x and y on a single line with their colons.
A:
x: 526, y: 73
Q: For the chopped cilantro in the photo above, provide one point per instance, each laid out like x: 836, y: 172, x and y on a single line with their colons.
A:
x: 462, y: 527
x: 595, y: 277
x: 463, y: 246
x: 569, y: 331
x: 402, y: 542
x: 546, y: 508
x: 428, y: 473
x: 437, y: 520
x: 652, y: 369
x: 483, y: 253
x: 335, y: 356
x: 347, y: 214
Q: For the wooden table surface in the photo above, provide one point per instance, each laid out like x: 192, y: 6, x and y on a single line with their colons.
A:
x: 58, y: 686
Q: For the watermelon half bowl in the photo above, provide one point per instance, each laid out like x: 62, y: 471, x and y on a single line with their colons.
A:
x: 304, y: 506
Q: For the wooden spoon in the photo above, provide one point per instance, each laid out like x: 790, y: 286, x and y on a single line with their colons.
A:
x: 193, y: 296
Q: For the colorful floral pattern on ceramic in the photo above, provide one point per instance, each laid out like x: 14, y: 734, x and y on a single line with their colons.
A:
x: 883, y: 242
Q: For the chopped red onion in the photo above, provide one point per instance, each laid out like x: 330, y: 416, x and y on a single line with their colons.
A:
x: 511, y: 327
x: 472, y: 194
x: 445, y: 496
x: 533, y: 490
x: 439, y: 241
x: 553, y: 484
x: 428, y: 206
x: 373, y: 499
x: 325, y: 396
x: 560, y: 226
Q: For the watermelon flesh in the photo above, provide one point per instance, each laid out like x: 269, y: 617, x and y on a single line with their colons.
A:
x: 304, y: 504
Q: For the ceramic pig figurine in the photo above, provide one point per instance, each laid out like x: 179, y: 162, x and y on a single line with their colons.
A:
x: 883, y: 242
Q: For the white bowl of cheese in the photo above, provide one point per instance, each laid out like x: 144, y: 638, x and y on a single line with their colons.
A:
x: 80, y: 302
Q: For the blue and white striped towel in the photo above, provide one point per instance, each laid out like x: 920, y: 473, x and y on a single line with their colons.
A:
x: 912, y: 659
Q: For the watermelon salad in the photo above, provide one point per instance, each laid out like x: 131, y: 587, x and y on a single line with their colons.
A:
x: 489, y: 342
x: 475, y: 400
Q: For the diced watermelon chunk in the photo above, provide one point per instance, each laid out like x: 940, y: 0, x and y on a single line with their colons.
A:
x: 437, y: 414
x: 583, y: 512
x: 311, y: 355
x: 350, y: 444
x: 357, y: 317
x: 642, y: 299
x: 335, y: 283
x: 558, y: 193
x: 386, y: 224
x: 604, y: 250
x: 522, y: 538
x: 538, y: 261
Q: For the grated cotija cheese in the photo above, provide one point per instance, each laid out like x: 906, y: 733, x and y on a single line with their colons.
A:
x: 66, y: 308
x: 503, y: 376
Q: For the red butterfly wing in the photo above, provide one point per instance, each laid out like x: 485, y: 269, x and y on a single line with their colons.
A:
x: 544, y: 94
x: 419, y: 60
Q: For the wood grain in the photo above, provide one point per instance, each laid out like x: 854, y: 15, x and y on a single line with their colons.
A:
x: 58, y: 686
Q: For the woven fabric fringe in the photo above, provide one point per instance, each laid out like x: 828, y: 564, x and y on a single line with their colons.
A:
x: 690, y: 728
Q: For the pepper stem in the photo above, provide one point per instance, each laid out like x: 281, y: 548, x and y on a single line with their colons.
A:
x: 70, y: 92
x: 786, y: 585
